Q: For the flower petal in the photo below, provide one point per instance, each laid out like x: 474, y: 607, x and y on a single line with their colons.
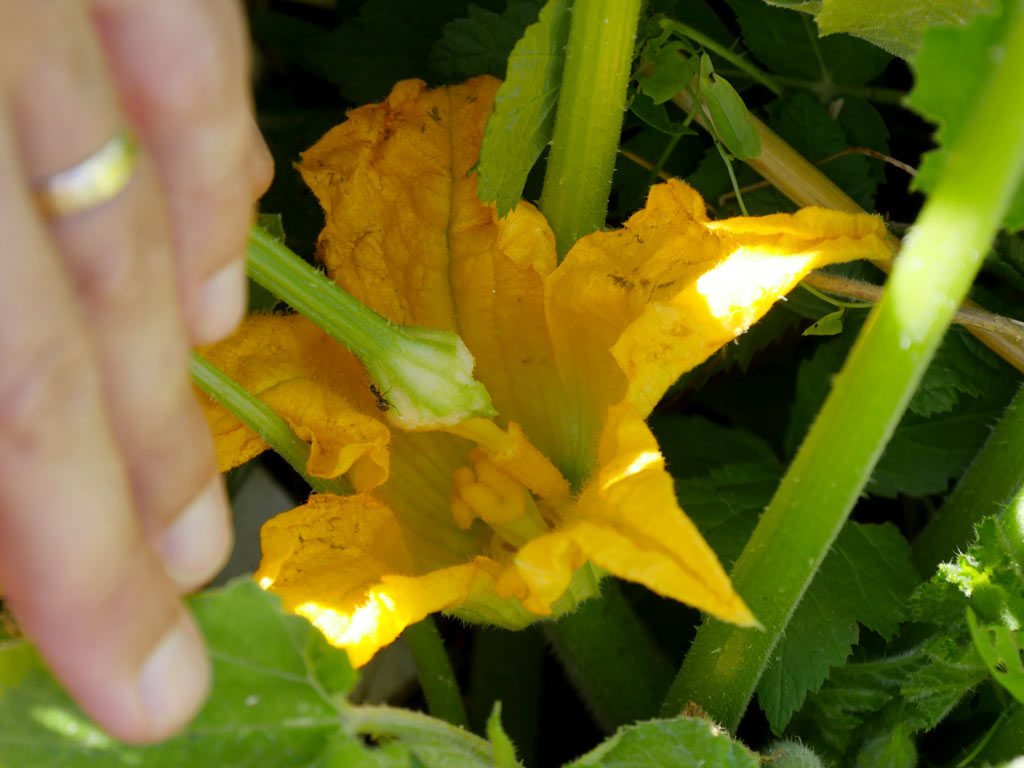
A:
x: 633, y: 309
x: 315, y: 384
x: 341, y: 562
x: 628, y: 522
x: 406, y: 234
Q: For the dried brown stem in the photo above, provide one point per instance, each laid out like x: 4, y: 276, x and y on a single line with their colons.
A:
x: 975, y: 319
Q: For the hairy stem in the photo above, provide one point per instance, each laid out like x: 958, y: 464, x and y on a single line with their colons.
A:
x: 939, y: 261
x: 993, y: 480
x: 444, y: 700
x: 259, y: 417
x: 310, y: 292
x: 610, y: 658
x: 591, y: 106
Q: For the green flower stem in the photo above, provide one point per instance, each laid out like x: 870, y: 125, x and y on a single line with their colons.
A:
x: 823, y: 89
x: 737, y: 60
x: 422, y: 377
x: 994, y: 479
x: 591, y: 105
x: 259, y: 417
x: 611, y: 659
x: 939, y: 260
x: 310, y: 292
x: 602, y: 646
x: 444, y: 700
x: 508, y: 667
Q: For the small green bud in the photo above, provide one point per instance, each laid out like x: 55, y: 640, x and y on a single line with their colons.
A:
x: 424, y: 377
x: 791, y: 754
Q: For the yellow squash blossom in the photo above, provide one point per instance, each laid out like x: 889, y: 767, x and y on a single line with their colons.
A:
x: 574, y: 356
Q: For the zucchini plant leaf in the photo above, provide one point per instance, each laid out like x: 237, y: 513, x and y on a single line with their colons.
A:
x: 520, y: 126
x: 658, y: 743
x: 480, y: 42
x: 896, y: 27
x: 866, y: 577
x: 950, y: 71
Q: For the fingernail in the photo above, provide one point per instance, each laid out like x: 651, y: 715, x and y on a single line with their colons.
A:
x: 174, y: 678
x: 222, y: 302
x: 195, y: 546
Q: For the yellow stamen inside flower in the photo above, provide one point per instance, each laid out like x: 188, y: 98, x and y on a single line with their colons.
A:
x: 515, y: 456
x: 488, y: 493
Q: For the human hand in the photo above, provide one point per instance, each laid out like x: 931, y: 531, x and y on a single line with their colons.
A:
x: 110, y: 504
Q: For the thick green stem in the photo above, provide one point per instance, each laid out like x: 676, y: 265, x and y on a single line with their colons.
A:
x: 310, y: 292
x: 994, y: 478
x: 259, y: 417
x: 508, y: 667
x: 939, y: 260
x: 444, y: 700
x: 613, y: 662
x: 591, y: 105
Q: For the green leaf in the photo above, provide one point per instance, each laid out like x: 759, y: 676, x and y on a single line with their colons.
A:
x: 888, y: 748
x: 897, y: 28
x: 866, y: 577
x: 388, y: 40
x: 916, y: 688
x: 424, y: 747
x: 695, y: 13
x: 924, y: 454
x: 659, y: 743
x: 963, y: 367
x: 520, y: 126
x: 788, y: 43
x: 274, y: 224
x: 729, y: 114
x: 988, y: 578
x: 807, y: 125
x: 926, y: 451
x: 1000, y: 650
x: 829, y: 325
x: 277, y: 684
x: 504, y: 750
x: 724, y: 478
x: 865, y: 127
x: 480, y: 43
x: 277, y: 700
x: 657, y: 116
x: 951, y: 70
x: 665, y: 72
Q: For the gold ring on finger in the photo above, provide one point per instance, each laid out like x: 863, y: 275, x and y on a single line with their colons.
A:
x: 94, y: 181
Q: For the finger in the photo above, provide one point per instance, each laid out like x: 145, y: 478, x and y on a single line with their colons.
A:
x: 119, y: 256
x: 184, y: 70
x: 74, y: 565
x: 261, y: 163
